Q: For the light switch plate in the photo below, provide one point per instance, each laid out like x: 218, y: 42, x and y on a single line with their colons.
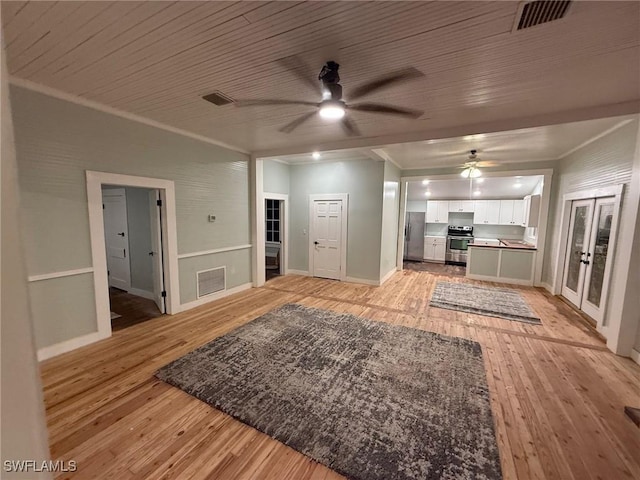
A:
x: 212, y: 218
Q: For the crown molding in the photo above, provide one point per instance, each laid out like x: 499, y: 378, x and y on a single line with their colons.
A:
x: 69, y: 97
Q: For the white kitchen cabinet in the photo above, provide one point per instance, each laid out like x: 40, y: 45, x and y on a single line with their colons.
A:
x: 487, y: 212
x: 461, y: 206
x: 511, y: 212
x: 434, y: 248
x: 531, y: 211
x: 438, y: 211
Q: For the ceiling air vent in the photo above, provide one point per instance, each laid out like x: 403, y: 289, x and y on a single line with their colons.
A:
x: 218, y: 98
x: 211, y: 281
x: 541, y: 11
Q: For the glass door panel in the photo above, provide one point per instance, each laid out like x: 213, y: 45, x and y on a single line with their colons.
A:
x: 578, y: 241
x: 600, y: 248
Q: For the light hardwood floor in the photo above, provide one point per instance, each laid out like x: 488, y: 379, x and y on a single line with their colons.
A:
x: 557, y: 394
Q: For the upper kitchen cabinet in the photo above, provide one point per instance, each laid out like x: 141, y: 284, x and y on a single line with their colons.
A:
x: 438, y: 211
x: 511, y: 212
x: 461, y: 206
x: 487, y: 212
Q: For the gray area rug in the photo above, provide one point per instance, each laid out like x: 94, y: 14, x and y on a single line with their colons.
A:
x: 370, y: 400
x: 490, y: 301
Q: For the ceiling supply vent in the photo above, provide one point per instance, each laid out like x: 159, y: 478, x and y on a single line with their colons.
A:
x: 218, y: 98
x: 211, y: 281
x: 541, y: 11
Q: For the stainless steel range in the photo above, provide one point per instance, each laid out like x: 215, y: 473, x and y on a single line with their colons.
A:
x: 458, y: 239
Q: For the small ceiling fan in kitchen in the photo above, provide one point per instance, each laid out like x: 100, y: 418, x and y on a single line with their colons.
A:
x: 331, y: 105
x: 471, y: 169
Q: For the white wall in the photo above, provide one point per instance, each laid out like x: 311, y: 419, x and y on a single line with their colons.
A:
x: 416, y: 205
x: 23, y: 433
x: 57, y: 141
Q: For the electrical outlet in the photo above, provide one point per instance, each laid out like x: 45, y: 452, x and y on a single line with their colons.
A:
x: 212, y: 218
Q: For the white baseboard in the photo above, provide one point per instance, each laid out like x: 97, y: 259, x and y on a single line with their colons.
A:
x: 364, y: 281
x: 63, y: 347
x: 388, y: 275
x: 635, y: 355
x: 547, y: 287
x: 304, y: 273
x: 216, y: 296
x: 141, y: 293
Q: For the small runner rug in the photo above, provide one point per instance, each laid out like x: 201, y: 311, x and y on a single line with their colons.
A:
x: 491, y: 301
x: 370, y: 400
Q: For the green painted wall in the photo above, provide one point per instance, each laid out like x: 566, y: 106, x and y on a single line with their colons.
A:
x: 390, y: 213
x: 276, y: 177
x: 57, y: 141
x: 363, y: 181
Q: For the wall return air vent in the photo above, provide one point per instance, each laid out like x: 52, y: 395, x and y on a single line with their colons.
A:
x: 211, y: 281
x: 539, y: 12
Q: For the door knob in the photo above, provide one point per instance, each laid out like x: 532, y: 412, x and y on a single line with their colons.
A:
x: 151, y: 254
x: 121, y: 234
x: 316, y: 243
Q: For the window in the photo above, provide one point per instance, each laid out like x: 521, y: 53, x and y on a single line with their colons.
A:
x: 272, y: 220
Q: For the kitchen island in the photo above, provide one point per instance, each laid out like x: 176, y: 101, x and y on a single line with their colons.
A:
x: 504, y: 261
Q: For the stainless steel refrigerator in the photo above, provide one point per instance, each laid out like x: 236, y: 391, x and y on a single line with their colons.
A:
x: 414, y: 236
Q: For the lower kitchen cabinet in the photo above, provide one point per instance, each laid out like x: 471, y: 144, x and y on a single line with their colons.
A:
x: 434, y: 248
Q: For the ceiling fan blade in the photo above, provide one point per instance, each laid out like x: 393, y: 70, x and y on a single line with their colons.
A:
x: 291, y: 126
x: 301, y: 70
x: 385, y: 81
x: 385, y: 109
x: 271, y: 101
x: 350, y: 127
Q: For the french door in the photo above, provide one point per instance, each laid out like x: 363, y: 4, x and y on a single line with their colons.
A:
x: 588, y: 259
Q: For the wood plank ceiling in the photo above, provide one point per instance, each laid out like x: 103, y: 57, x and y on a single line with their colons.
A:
x: 156, y: 59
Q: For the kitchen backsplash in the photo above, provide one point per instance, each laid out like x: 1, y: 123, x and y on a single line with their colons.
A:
x: 479, y: 231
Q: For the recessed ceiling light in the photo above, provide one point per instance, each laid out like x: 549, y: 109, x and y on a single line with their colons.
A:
x: 517, y: 185
x: 427, y: 193
x: 480, y: 180
x: 316, y: 155
x: 477, y: 192
x: 425, y: 182
x: 519, y: 176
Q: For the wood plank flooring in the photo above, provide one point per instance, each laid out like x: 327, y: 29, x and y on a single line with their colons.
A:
x: 557, y: 394
x: 131, y: 308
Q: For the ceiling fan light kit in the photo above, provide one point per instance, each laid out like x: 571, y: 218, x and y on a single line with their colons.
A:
x: 332, y: 110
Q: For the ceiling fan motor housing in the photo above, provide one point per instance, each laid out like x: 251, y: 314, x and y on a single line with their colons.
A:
x: 331, y: 88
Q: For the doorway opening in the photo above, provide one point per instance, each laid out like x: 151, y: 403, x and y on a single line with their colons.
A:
x: 273, y: 261
x: 132, y: 218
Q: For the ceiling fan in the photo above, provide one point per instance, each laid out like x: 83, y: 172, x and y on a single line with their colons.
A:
x: 471, y: 169
x: 332, y: 106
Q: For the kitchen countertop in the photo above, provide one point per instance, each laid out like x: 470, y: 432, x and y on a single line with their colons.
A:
x: 506, y: 243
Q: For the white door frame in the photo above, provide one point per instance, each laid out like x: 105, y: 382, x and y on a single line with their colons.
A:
x: 284, y: 230
x: 95, y: 180
x: 567, y: 199
x: 344, y: 198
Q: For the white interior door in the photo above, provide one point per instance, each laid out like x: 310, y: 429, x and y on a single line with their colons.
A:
x: 327, y: 238
x: 598, y: 267
x: 116, y: 236
x: 575, y: 266
x: 156, y: 249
